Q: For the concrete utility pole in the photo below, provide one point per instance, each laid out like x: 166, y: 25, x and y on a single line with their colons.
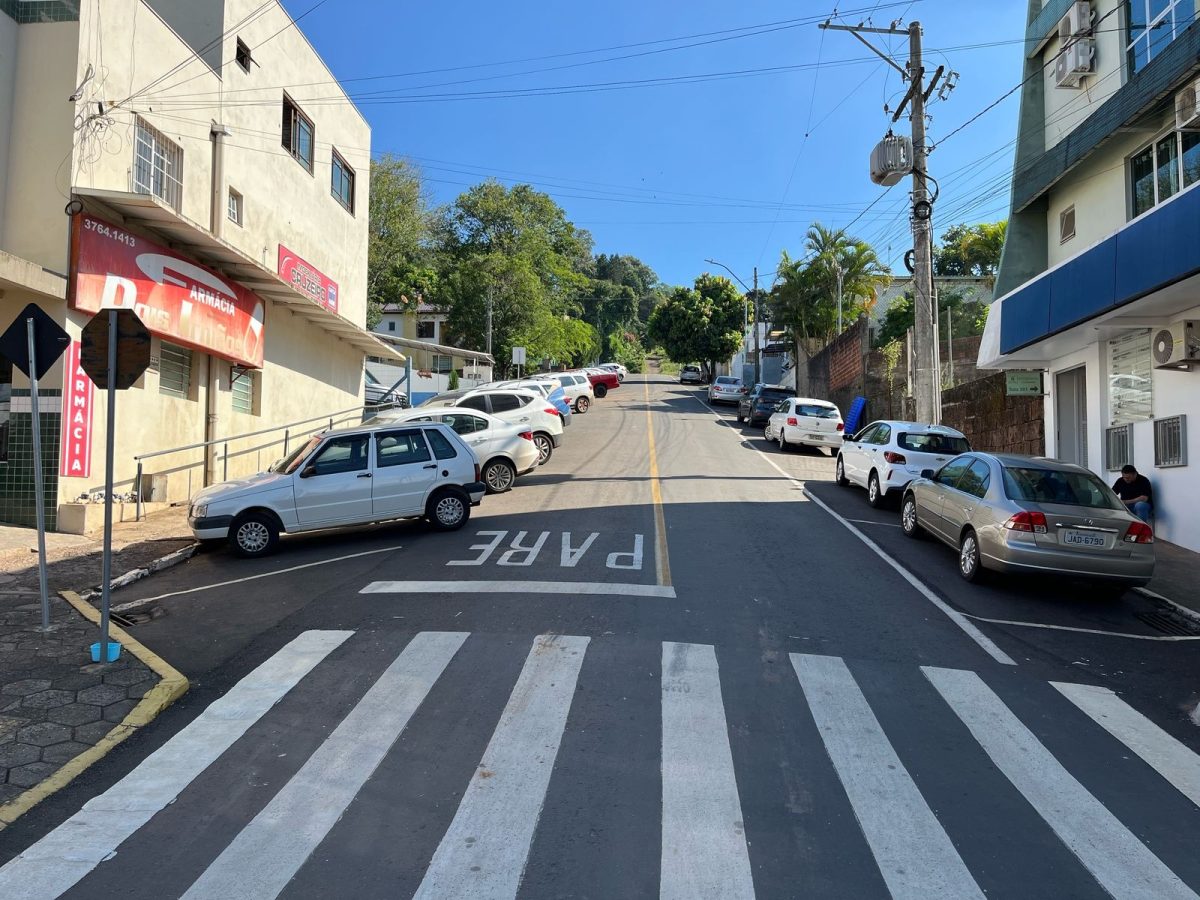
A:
x: 926, y: 382
x: 757, y: 349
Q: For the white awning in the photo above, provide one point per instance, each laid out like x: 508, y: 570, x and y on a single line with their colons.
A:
x: 146, y: 211
x: 440, y: 349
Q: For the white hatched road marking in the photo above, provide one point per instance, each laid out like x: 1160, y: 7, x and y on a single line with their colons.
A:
x: 704, y: 852
x: 68, y: 853
x: 1122, y: 864
x: 591, y: 588
x: 1167, y: 756
x: 269, y: 851
x: 483, y: 852
x: 915, y: 856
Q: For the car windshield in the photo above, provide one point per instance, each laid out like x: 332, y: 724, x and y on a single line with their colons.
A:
x: 932, y: 442
x: 819, y: 412
x: 292, y: 461
x: 1054, y: 486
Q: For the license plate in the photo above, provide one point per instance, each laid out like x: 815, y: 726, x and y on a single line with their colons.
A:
x: 816, y: 437
x: 1081, y: 539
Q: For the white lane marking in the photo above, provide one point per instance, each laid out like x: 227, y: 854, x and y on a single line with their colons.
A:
x: 954, y: 615
x: 1167, y: 756
x: 519, y: 587
x: 208, y: 587
x: 915, y: 856
x: 873, y: 522
x: 64, y: 856
x: 1122, y: 864
x: 1119, y: 634
x: 269, y: 851
x: 483, y: 852
x: 704, y: 852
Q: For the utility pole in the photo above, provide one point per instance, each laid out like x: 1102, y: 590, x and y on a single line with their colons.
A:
x: 757, y: 349
x: 489, y: 320
x: 840, y: 276
x: 926, y: 380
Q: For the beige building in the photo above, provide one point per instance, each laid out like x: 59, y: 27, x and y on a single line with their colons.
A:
x: 208, y: 172
x: 421, y: 333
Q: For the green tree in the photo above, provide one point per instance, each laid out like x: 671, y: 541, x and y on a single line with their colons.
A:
x: 700, y: 324
x: 834, y: 255
x: 897, y: 320
x: 401, y: 268
x: 971, y: 250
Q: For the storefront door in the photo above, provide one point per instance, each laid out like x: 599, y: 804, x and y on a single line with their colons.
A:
x: 1070, y: 391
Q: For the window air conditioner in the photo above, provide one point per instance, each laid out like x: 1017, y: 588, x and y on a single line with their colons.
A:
x: 1187, y: 107
x: 1177, y: 346
x: 1075, y: 62
x: 1078, y: 20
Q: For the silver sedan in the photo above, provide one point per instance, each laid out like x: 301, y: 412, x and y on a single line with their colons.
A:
x: 1013, y: 513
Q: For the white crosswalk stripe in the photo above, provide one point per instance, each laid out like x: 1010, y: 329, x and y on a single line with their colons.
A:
x: 707, y: 850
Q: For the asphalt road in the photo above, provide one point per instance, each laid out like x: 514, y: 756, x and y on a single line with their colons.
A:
x: 674, y: 661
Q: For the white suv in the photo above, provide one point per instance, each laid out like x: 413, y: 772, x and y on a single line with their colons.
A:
x: 352, y: 476
x: 526, y: 408
x: 578, y: 388
x: 887, y: 455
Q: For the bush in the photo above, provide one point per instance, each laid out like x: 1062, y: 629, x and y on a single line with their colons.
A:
x: 453, y: 384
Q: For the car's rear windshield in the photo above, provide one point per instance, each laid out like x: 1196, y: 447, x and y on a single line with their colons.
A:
x: 1051, y: 486
x: 725, y: 379
x: 931, y: 442
x: 775, y: 394
x: 817, y: 411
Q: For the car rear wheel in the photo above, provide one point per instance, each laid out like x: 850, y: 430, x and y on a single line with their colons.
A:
x: 545, y: 447
x: 783, y: 444
x: 601, y: 391
x: 448, y: 510
x: 875, y: 494
x: 840, y: 473
x: 582, y: 404
x: 254, y: 534
x: 969, y: 563
x: 908, y: 517
x: 499, y: 475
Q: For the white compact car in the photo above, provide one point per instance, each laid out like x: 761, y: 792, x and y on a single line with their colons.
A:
x: 615, y: 367
x: 803, y: 422
x: 502, y: 449
x: 526, y: 408
x: 885, y: 456
x: 725, y: 389
x: 577, y: 387
x: 351, y: 476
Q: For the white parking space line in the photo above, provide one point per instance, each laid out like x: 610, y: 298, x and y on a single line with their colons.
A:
x: 588, y: 588
x: 1167, y: 756
x: 483, y: 852
x: 704, y: 852
x: 873, y: 522
x: 915, y: 856
x: 1167, y: 638
x: 64, y: 856
x: 269, y: 851
x: 1122, y: 864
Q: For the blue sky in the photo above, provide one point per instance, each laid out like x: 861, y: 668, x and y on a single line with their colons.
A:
x: 717, y: 166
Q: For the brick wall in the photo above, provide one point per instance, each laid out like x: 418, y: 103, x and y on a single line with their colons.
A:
x: 993, y: 421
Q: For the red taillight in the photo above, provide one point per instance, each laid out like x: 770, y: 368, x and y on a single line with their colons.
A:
x: 1139, y: 533
x: 792, y: 420
x: 1029, y: 522
x: 841, y: 426
x: 551, y: 410
x: 896, y: 459
x: 528, y: 435
x: 478, y: 473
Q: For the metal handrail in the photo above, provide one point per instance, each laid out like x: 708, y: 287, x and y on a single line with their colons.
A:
x: 331, y: 418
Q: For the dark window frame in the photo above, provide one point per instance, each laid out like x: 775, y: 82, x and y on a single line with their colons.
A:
x: 243, y: 55
x: 292, y: 116
x: 348, y: 177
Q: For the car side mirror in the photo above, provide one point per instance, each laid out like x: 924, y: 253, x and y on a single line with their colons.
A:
x: 309, y: 471
x: 928, y: 473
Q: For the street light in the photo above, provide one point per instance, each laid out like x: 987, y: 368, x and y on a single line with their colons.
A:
x: 754, y: 292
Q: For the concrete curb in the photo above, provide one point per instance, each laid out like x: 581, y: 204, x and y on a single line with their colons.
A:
x: 1182, y: 610
x: 171, y: 686
x: 134, y: 575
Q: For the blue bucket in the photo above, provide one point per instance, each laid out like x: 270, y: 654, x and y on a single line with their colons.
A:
x: 114, y: 651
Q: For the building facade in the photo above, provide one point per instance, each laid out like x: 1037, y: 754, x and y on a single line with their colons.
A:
x: 1099, y: 283
x: 420, y: 333
x: 209, y: 173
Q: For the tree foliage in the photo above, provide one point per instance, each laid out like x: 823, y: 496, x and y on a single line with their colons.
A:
x: 400, y: 254
x: 700, y: 324
x: 971, y: 250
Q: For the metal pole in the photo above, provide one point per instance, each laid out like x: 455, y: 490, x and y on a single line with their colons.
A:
x: 925, y: 350
x: 757, y: 348
x: 489, y: 321
x: 838, y: 270
x: 137, y: 500
x: 109, y: 442
x: 38, y: 481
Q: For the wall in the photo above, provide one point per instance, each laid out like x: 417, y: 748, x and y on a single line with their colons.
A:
x: 200, y: 24
x: 8, y: 82
x: 1066, y: 108
x: 993, y: 421
x: 838, y: 373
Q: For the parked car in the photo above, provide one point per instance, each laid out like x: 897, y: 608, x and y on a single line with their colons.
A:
x: 526, y: 408
x: 576, y: 385
x: 615, y: 367
x: 691, y: 375
x: 352, y: 476
x: 887, y: 455
x: 602, y: 381
x: 757, y: 406
x: 503, y: 450
x: 1012, y: 513
x: 803, y: 422
x: 552, y: 392
x: 726, y: 389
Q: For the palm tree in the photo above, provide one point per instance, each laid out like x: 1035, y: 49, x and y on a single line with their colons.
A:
x: 848, y: 267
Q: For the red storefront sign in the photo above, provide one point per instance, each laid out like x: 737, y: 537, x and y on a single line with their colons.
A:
x: 307, y: 279
x: 75, y: 455
x: 173, y: 296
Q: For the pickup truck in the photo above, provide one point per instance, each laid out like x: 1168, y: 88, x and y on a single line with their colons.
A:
x: 602, y: 381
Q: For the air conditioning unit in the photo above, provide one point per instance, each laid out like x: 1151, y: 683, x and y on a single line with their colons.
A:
x: 1177, y: 346
x: 1078, y: 20
x: 1075, y: 62
x: 892, y: 159
x: 1187, y: 107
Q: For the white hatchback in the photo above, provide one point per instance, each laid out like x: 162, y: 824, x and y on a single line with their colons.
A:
x: 502, y: 449
x: 352, y: 476
x: 885, y: 456
x: 578, y: 388
x: 804, y: 422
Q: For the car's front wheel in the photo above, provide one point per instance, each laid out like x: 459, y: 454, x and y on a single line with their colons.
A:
x: 840, y: 473
x: 545, y: 447
x: 741, y: 418
x: 448, y: 510
x: 499, y: 476
x: 254, y: 534
x: 969, y: 563
x: 582, y: 404
x: 908, y: 517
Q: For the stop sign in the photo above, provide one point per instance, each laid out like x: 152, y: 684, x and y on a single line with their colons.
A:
x: 133, y: 348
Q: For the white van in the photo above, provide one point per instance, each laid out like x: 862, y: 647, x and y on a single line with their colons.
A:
x: 351, y: 476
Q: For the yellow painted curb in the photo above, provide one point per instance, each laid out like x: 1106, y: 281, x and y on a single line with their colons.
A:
x: 171, y: 686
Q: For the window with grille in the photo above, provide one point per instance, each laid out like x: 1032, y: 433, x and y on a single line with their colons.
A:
x: 442, y: 364
x: 1130, y: 381
x: 343, y: 182
x: 1118, y: 447
x: 298, y: 134
x: 157, y: 165
x: 243, y: 390
x: 174, y: 371
x: 1170, y: 442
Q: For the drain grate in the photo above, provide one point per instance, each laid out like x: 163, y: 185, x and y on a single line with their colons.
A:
x: 140, y: 617
x: 1167, y: 623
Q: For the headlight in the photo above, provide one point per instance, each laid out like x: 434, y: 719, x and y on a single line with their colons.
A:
x: 200, y: 511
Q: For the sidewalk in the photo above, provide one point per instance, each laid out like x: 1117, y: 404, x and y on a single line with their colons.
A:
x: 1177, y: 578
x: 56, y: 706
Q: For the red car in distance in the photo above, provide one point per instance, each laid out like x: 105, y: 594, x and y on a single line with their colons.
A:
x: 602, y: 381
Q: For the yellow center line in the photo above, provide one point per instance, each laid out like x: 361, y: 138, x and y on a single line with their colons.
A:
x: 662, y: 562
